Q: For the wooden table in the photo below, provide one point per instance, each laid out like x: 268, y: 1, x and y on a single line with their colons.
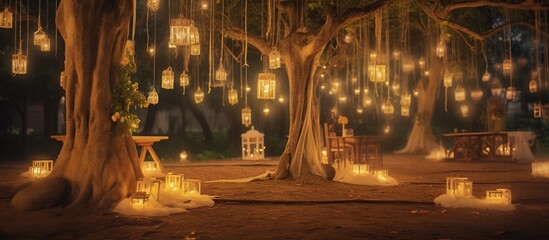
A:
x: 356, y: 149
x: 145, y: 142
x: 473, y: 146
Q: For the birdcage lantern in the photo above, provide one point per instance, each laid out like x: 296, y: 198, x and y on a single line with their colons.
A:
x: 184, y: 80
x: 173, y: 182
x: 381, y: 175
x: 195, y: 49
x: 246, y: 116
x: 39, y: 36
x: 41, y: 168
x: 233, y: 96
x: 6, y: 18
x: 486, y: 76
x: 464, y: 109
x: 360, y: 169
x: 274, y: 59
x: 405, y: 111
x: 46, y: 44
x: 406, y: 100
x: 538, y: 110
x: 387, y: 108
x: 180, y: 32
x: 499, y: 196
x: 266, y: 86
x: 152, y: 98
x: 377, y: 72
x: 198, y: 95
x: 506, y: 66
x: 533, y: 86
x: 192, y: 187
x: 540, y: 169
x: 150, y: 167
x: 459, y: 94
x: 194, y: 37
x: 220, y: 77
x: 511, y: 93
x: 448, y: 79
x: 167, y: 78
x: 440, y: 50
x: 153, y: 5
x: 253, y: 147
x: 19, y: 63
x: 459, y: 187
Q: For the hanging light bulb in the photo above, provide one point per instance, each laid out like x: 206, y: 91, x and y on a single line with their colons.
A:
x: 39, y: 36
x: 486, y: 76
x: 153, y: 5
x: 6, y: 18
x: 246, y: 116
x: 233, y: 96
x: 441, y: 48
x: 153, y: 97
x: 167, y: 78
x: 459, y: 94
x: 198, y: 95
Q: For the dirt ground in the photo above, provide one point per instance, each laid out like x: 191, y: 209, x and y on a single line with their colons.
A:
x: 307, y: 209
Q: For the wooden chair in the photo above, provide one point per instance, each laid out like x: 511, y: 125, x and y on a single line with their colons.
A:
x: 336, y: 147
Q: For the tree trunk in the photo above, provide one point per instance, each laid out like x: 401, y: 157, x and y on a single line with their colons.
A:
x: 95, y: 167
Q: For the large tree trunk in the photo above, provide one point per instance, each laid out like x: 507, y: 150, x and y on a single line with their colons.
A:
x: 95, y: 167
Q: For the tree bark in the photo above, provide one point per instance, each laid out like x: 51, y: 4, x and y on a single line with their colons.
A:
x: 95, y: 167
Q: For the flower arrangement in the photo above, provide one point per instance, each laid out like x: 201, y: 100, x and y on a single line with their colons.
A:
x: 343, y: 120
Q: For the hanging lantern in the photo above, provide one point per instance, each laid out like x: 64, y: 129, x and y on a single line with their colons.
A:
x: 266, y: 86
x: 511, y: 93
x: 246, y: 116
x: 194, y: 37
x: 233, y: 96
x: 486, y: 76
x: 377, y: 72
x: 6, y: 18
x: 459, y: 94
x: 19, y: 63
x: 387, y: 108
x: 359, y: 110
x: 421, y: 62
x: 184, y: 79
x: 464, y: 111
x: 367, y: 101
x: 407, y: 65
x: 538, y: 112
x: 221, y: 74
x: 476, y: 94
x: 448, y: 79
x: 373, y: 56
x: 39, y: 36
x: 180, y: 32
x: 396, y: 88
x: 204, y: 5
x: 533, y: 86
x: 342, y: 98
x: 406, y: 100
x: 266, y: 110
x: 441, y: 48
x: 153, y: 97
x: 416, y: 92
x: 274, y: 59
x: 195, y: 49
x: 62, y: 79
x: 396, y: 55
x: 171, y: 46
x: 349, y: 36
x: 153, y: 5
x: 507, y: 66
x: 46, y: 45
x: 357, y: 91
x: 496, y: 92
x: 198, y: 95
x: 167, y: 78
x: 405, y: 111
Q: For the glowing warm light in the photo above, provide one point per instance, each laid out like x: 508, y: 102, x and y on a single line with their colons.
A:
x: 324, y: 155
x: 46, y: 44
x: 150, y: 166
x: 19, y: 63
x: 220, y: 76
x: 464, y: 110
x: 195, y: 49
x: 448, y: 79
x: 405, y: 111
x: 41, y: 168
x: 504, y: 150
x: 253, y: 147
x: 496, y: 91
x: 167, y: 78
x: 459, y: 187
x: 153, y: 5
x: 183, y: 156
x: 408, y: 65
x: 357, y: 91
x: 476, y: 94
x: 359, y: 110
x: 387, y: 129
x: 233, y: 96
x: 416, y: 93
x: 192, y: 187
x: 459, y: 94
x: 396, y: 54
x: 342, y: 99
x: 506, y: 66
x: 274, y: 59
x: 533, y: 86
x: 62, y: 79
x: 377, y: 72
x: 440, y: 49
x: 39, y: 36
x: 396, y: 88
x: 6, y: 18
x: 198, y: 95
x: 367, y: 101
x: 266, y: 110
x: 281, y: 100
x: 486, y: 76
x: 349, y: 36
x: 184, y: 79
x: 246, y: 116
x: 421, y: 62
x: 360, y: 169
x: 426, y: 73
x: 183, y: 32
x: 538, y: 111
x: 266, y: 86
x: 373, y: 56
x: 540, y: 169
x: 499, y: 196
x: 173, y: 182
x: 151, y: 50
x: 406, y: 100
x: 204, y: 5
x: 248, y: 89
x: 153, y: 97
x: 511, y: 93
x: 387, y: 108
x: 381, y: 175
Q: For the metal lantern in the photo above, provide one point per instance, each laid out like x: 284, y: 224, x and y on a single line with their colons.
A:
x: 233, y: 96
x: 221, y: 74
x: 538, y: 112
x: 153, y: 97
x: 476, y: 94
x: 173, y: 182
x: 167, y: 78
x: 507, y: 66
x: 39, y: 36
x: 459, y: 187
x: 19, y: 63
x: 499, y: 196
x: 387, y: 108
x: 464, y: 111
x: 198, y: 95
x: 6, y: 18
x: 41, y: 168
x: 46, y: 45
x: 184, y: 79
x: 377, y: 72
x: 246, y: 116
x: 360, y: 169
x: 459, y: 94
x: 510, y: 93
x: 180, y: 32
x: 191, y: 186
x: 448, y: 79
x: 441, y: 48
x: 405, y: 111
x: 153, y: 4
x: 194, y: 37
x: 406, y: 100
x: 253, y: 147
x: 381, y: 175
x: 533, y: 86
x: 486, y: 76
x: 274, y: 59
x: 195, y: 49
x: 266, y: 86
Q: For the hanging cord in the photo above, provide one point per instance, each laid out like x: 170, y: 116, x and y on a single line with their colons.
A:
x: 28, y: 26
x: 154, y: 49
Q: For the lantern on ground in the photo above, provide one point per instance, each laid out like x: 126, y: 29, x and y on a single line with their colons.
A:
x: 46, y: 44
x: 150, y: 167
x: 459, y: 94
x: 246, y: 116
x: 19, y: 63
x: 153, y: 97
x: 476, y: 94
x: 486, y: 76
x: 533, y: 86
x: 180, y: 32
x: 381, y: 175
x: 441, y: 48
x: 198, y: 95
x: 540, y: 169
x: 405, y: 111
x: 173, y: 182
x: 499, y: 196
x: 153, y: 5
x: 253, y: 147
x: 6, y: 18
x: 233, y: 96
x: 167, y: 78
x: 464, y: 109
x: 538, y: 111
x: 266, y: 86
x: 511, y: 93
x: 195, y: 49
x: 142, y: 194
x: 360, y: 169
x: 406, y: 100
x: 41, y: 168
x: 448, y: 79
x: 274, y: 59
x: 506, y: 66
x: 192, y: 187
x: 39, y: 36
x: 377, y: 72
x: 459, y: 187
x: 387, y: 108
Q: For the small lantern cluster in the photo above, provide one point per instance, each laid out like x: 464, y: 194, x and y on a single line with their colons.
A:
x: 274, y: 59
x: 266, y: 86
x: 459, y: 187
x: 253, y: 147
x: 19, y: 63
x: 405, y: 102
x: 183, y: 32
x: 246, y: 116
x: 233, y: 96
x: 41, y: 168
x: 152, y: 98
x: 167, y: 78
x: 6, y: 18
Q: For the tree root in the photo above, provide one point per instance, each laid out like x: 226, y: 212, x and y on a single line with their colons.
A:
x: 46, y: 193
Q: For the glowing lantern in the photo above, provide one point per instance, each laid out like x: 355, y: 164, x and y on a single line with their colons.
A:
x: 6, y: 18
x: 486, y: 76
x: 192, y: 187
x: 533, y: 86
x: 41, y: 168
x: 367, y: 101
x: 459, y: 94
x: 221, y: 74
x: 335, y: 87
x: 180, y: 32
x: 499, y: 196
x: 266, y: 110
x: 184, y: 79
x: 253, y: 147
x: 459, y: 187
x: 173, y: 182
x: 145, y: 188
x: 356, y: 91
x: 204, y: 5
x: 396, y: 88
x: 342, y: 99
x: 274, y: 59
x: 406, y: 100
x: 416, y: 92
x: 538, y: 112
x: 195, y: 49
x: 233, y: 96
x: 387, y: 129
x: 511, y: 93
x: 540, y: 169
x: 448, y: 79
x: 183, y: 156
x: 153, y: 97
x: 359, y: 110
x: 246, y: 116
x: 496, y: 92
x: 387, y: 108
x: 476, y: 94
x: 46, y: 44
x: 349, y: 36
x: 421, y: 62
x: 39, y: 36
x: 360, y: 169
x: 408, y: 65
x: 381, y: 175
x: 266, y: 86
x: 377, y: 72
x: 373, y: 56
x: 405, y: 111
x: 426, y: 73
x: 167, y: 78
x: 396, y: 55
x: 194, y: 37
x: 62, y: 79
x: 19, y: 63
x: 281, y: 100
x: 150, y: 166
x: 464, y: 111
x: 507, y: 66
x: 150, y: 50
x: 198, y: 95
x: 441, y: 48
x: 153, y: 5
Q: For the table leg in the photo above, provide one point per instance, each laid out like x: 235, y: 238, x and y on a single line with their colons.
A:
x: 142, y: 155
x: 155, y: 158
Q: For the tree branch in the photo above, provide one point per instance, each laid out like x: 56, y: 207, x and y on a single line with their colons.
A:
x: 525, y: 5
x: 254, y: 40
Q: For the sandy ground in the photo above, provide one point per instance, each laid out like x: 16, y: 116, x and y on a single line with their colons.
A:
x: 307, y: 209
